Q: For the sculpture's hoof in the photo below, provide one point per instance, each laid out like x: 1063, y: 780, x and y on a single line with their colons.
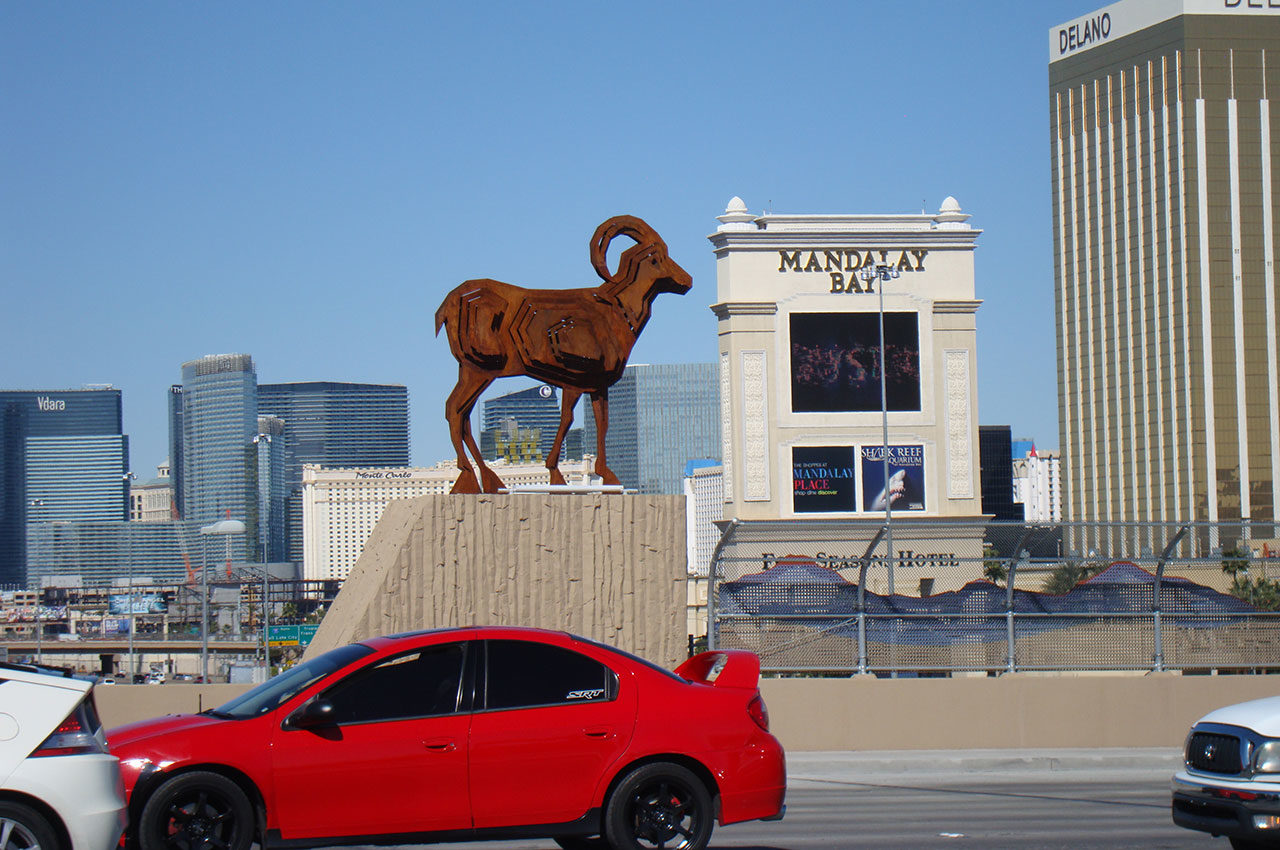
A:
x: 466, y: 483
x: 556, y: 477
x: 492, y: 483
x: 608, y: 478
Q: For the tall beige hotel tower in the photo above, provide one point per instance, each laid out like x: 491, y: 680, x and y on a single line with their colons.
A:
x: 1164, y: 158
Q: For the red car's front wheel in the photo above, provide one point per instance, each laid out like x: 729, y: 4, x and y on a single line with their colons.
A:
x: 196, y: 811
x: 659, y: 805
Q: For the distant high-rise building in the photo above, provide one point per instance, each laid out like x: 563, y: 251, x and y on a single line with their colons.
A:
x: 219, y: 422
x: 266, y: 523
x: 174, y: 408
x: 704, y: 507
x: 995, y: 467
x: 1037, y: 484
x: 660, y: 417
x: 1163, y: 146
x: 63, y: 457
x: 334, y: 425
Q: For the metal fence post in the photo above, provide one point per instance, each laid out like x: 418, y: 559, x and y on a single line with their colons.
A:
x: 726, y: 531
x: 1157, y: 661
x: 862, y: 598
x: 1011, y: 575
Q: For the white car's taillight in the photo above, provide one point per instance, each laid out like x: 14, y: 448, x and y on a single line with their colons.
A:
x: 74, y: 736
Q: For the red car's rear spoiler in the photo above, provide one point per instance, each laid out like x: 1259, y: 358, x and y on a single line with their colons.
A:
x: 723, y: 668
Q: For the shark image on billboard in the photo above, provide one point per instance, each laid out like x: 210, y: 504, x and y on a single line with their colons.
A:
x: 905, y: 488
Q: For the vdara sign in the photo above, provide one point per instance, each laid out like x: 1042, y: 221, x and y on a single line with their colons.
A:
x: 843, y: 264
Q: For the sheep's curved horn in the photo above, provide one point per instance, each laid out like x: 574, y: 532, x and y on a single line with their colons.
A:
x: 619, y: 225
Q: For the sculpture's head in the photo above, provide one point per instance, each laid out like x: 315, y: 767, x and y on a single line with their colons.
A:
x: 647, y: 259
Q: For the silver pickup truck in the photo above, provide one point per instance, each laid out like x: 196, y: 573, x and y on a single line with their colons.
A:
x: 1229, y: 784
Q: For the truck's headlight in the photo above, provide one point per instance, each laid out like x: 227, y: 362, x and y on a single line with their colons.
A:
x: 1267, y: 758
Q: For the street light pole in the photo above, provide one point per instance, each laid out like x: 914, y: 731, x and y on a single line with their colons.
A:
x: 883, y: 272
x: 128, y: 537
x: 37, y: 503
x: 204, y: 610
x: 226, y: 528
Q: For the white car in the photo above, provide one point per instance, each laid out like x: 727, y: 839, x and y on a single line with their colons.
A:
x: 60, y: 787
x: 1230, y: 781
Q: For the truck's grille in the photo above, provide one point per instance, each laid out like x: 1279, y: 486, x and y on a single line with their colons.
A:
x: 1214, y: 753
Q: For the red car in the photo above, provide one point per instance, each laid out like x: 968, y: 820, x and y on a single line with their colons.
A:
x: 460, y: 735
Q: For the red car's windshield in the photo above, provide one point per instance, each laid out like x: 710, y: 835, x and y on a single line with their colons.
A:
x: 288, y: 684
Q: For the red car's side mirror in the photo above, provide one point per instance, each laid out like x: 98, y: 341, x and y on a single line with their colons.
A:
x: 318, y: 712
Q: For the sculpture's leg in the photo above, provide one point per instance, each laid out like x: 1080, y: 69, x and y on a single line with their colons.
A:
x: 600, y: 406
x: 457, y: 410
x: 489, y: 480
x: 568, y: 399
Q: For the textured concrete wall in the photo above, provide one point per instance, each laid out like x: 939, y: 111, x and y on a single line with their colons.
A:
x: 609, y: 567
x: 121, y: 704
x: 1008, y: 712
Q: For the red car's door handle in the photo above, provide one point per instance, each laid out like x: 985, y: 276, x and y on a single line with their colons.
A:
x: 440, y: 745
x: 599, y: 732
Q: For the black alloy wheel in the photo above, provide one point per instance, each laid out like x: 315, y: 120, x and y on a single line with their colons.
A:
x: 23, y: 828
x: 662, y: 806
x: 196, y: 811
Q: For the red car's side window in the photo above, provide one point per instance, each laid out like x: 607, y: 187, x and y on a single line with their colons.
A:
x: 421, y: 683
x: 520, y: 674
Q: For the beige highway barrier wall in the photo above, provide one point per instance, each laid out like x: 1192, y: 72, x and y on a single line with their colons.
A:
x: 1020, y: 711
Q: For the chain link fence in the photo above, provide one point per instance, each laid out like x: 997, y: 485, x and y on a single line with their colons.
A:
x: 822, y: 597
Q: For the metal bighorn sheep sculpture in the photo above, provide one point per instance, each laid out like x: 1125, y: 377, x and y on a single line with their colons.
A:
x: 575, y: 339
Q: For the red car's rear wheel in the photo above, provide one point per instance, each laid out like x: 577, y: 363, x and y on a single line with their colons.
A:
x: 196, y: 811
x: 659, y: 805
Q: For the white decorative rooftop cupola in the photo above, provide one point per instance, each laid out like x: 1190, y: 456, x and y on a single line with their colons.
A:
x: 736, y: 216
x: 950, y: 217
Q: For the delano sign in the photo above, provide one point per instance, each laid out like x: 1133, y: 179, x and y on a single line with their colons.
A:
x: 841, y: 265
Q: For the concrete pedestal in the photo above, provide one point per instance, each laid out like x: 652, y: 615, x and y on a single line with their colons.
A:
x: 605, y: 566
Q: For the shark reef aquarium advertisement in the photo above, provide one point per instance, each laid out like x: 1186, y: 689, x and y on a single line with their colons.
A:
x: 905, y: 490
x: 823, y: 479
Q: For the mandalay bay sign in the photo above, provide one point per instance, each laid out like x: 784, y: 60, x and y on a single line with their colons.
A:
x: 841, y: 265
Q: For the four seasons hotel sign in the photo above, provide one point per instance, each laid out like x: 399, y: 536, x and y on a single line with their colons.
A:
x: 802, y: 410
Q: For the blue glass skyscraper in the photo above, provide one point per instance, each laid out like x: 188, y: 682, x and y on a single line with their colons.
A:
x: 660, y: 417
x: 219, y: 422
x: 63, y: 457
x: 335, y: 424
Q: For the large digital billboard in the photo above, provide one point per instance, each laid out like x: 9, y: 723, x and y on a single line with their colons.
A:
x: 835, y: 362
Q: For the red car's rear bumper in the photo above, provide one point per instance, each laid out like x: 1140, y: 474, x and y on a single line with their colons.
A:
x: 757, y: 787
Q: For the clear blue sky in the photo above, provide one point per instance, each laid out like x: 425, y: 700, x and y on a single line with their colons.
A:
x: 304, y: 181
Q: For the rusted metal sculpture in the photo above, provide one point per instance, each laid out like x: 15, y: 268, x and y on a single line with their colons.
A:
x: 576, y: 339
